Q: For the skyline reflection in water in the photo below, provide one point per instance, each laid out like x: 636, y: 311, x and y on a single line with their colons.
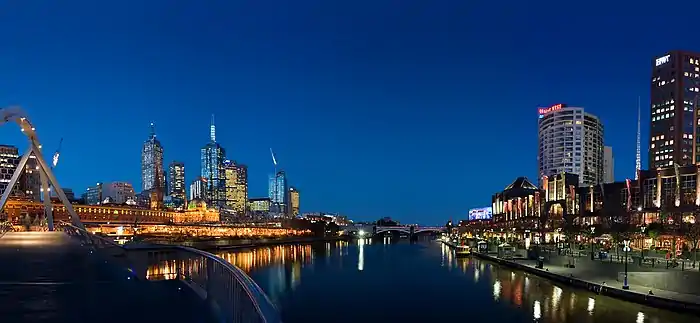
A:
x: 423, y: 281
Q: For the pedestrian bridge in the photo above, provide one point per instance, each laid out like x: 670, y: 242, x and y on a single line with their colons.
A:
x: 70, y: 275
x: 407, y: 229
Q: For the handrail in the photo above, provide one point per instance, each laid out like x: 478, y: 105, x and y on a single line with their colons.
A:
x: 218, y: 281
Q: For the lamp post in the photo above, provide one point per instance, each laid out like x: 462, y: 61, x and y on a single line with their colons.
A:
x: 627, y: 248
x: 643, y: 240
x: 592, y: 239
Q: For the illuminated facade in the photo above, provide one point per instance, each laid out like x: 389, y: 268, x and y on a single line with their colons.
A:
x: 675, y: 83
x: 517, y: 206
x: 176, y: 184
x: 236, y: 186
x: 608, y: 165
x: 115, y: 214
x: 198, y: 188
x: 213, y: 157
x: 278, y: 192
x: 261, y: 204
x: 152, y: 171
x: 9, y: 159
x: 294, y: 200
x: 571, y: 141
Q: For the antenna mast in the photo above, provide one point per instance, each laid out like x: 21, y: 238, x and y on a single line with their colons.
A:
x: 638, y: 162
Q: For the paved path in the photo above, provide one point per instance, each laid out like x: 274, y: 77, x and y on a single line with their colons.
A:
x: 49, y: 277
x: 591, y: 271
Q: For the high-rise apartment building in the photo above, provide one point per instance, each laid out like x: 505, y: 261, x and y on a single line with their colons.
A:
x: 152, y: 171
x: 675, y: 83
x: 294, y: 201
x: 236, y: 186
x: 608, y: 165
x: 213, y: 157
x: 570, y: 140
x: 176, y: 183
x: 117, y: 192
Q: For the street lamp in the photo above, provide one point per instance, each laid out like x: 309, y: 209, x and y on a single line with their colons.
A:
x: 643, y: 240
x: 627, y: 248
x: 592, y: 232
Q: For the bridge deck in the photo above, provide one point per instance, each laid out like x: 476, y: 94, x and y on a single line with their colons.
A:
x: 49, y: 277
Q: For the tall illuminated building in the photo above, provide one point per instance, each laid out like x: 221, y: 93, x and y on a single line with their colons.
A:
x: 198, y: 189
x: 673, y: 132
x: 236, y: 186
x: 9, y: 159
x: 277, y: 191
x: 152, y: 171
x: 213, y: 157
x: 571, y: 141
x: 176, y: 183
x: 294, y: 201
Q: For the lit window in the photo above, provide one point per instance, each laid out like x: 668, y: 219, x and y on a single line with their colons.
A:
x: 670, y: 142
x: 653, y: 145
x: 685, y: 73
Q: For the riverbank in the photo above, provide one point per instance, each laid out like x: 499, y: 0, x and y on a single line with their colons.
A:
x: 590, y: 275
x: 226, y: 244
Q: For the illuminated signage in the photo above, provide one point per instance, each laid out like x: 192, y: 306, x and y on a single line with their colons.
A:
x: 551, y: 109
x: 482, y: 213
x: 663, y: 60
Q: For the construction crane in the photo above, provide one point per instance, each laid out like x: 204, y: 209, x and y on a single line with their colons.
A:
x: 57, y: 154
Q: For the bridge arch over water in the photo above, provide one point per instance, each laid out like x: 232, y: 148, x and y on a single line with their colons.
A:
x: 18, y: 116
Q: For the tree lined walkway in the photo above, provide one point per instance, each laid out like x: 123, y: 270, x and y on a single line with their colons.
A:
x: 49, y: 277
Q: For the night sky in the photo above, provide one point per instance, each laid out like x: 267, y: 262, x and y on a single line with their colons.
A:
x: 413, y: 109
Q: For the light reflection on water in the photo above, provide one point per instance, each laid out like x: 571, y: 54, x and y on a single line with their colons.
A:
x: 280, y: 269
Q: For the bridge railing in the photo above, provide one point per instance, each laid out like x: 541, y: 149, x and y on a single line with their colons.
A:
x: 234, y: 296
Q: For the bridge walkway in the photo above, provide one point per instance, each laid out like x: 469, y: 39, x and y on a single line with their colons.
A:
x: 50, y: 277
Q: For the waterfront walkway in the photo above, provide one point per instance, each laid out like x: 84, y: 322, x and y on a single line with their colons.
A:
x: 49, y: 277
x: 610, y: 275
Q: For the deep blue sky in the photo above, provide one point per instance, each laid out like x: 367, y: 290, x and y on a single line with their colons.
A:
x: 413, y: 109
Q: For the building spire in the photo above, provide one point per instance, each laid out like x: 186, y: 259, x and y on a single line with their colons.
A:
x: 212, y: 130
x: 638, y: 162
x: 153, y: 130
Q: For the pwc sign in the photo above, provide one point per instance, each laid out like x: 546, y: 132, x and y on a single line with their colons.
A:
x: 553, y: 108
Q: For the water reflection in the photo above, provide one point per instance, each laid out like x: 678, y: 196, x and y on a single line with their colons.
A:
x: 551, y: 303
x: 305, y: 280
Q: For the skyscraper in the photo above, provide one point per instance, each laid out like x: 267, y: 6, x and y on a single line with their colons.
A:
x: 9, y: 159
x: 198, y: 189
x: 277, y: 190
x: 675, y: 83
x: 608, y: 165
x: 236, y: 186
x: 176, y: 183
x: 570, y: 140
x: 152, y: 172
x: 294, y: 201
x: 213, y: 157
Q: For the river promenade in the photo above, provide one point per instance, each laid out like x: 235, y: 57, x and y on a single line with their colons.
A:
x: 680, y: 289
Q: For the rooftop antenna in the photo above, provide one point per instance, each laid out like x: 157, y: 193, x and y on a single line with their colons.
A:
x: 153, y: 130
x: 638, y: 162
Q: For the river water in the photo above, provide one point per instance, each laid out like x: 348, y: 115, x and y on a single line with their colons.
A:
x: 382, y: 280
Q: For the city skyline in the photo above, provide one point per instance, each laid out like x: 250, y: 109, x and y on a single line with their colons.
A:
x: 330, y: 109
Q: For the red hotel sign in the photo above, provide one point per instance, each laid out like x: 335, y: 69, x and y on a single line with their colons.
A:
x: 552, y: 108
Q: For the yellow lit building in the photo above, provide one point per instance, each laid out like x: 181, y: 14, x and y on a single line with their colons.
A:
x: 17, y: 210
x: 261, y: 204
x: 294, y: 200
x: 236, y: 186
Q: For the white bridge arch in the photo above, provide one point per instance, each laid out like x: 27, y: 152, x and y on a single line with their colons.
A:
x: 16, y: 115
x: 417, y: 229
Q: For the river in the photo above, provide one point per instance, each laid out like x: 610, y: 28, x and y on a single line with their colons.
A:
x: 382, y: 280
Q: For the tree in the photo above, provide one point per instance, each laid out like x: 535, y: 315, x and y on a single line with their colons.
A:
x: 619, y: 231
x: 653, y: 231
x: 692, y: 233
